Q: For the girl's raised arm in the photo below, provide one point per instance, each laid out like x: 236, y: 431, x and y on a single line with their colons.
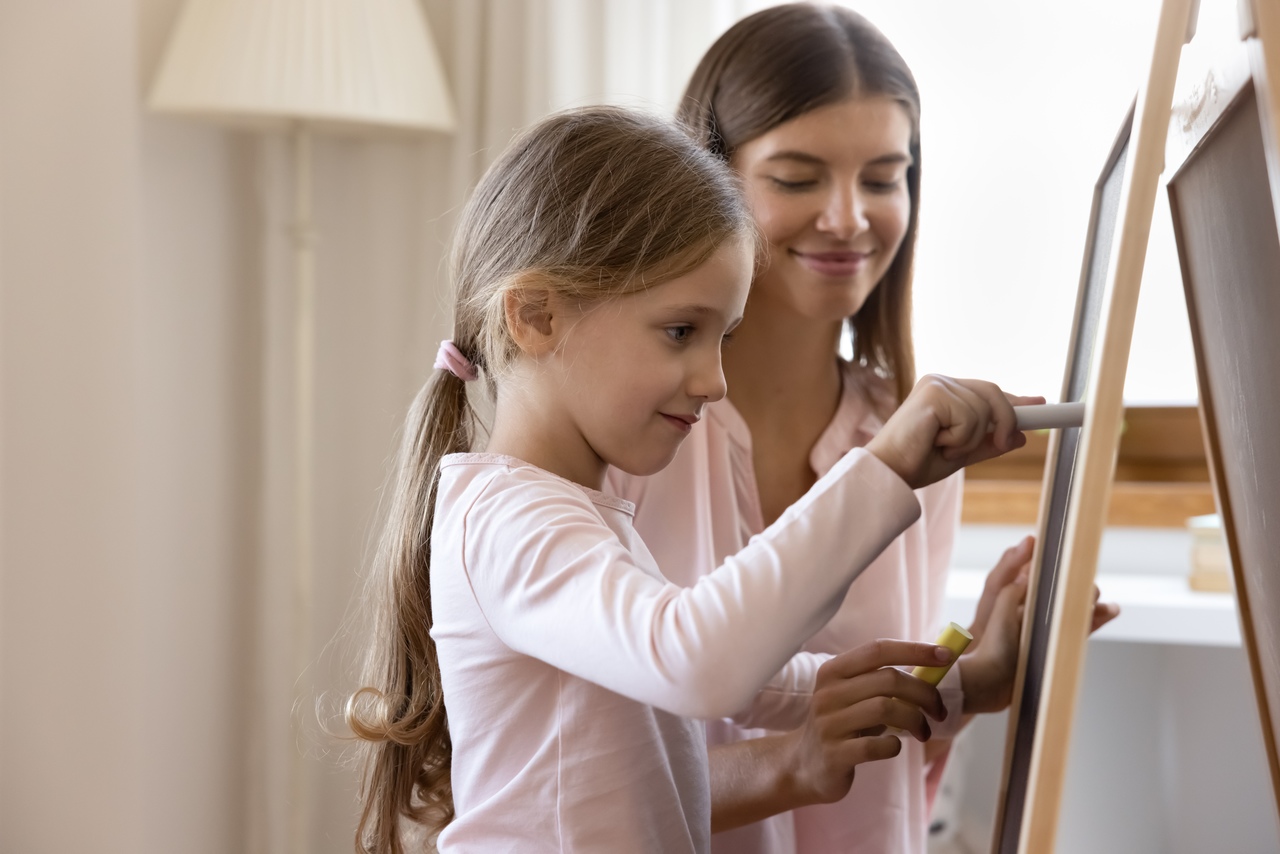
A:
x: 572, y: 595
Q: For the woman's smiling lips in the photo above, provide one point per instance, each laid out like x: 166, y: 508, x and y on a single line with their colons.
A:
x: 683, y: 423
x: 832, y: 263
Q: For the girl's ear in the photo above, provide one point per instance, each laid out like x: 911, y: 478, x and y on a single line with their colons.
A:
x: 531, y: 314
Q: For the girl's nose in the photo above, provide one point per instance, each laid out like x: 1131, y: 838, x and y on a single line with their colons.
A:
x: 707, y: 380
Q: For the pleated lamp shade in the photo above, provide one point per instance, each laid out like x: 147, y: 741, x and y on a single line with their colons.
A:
x: 368, y: 62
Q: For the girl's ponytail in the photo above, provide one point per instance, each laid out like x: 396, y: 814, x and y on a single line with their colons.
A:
x: 400, y: 713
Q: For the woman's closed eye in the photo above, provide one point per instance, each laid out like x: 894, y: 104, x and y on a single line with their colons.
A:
x: 882, y: 186
x: 793, y: 185
x: 880, y: 180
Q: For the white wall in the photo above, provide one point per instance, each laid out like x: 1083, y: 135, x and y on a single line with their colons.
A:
x: 1021, y: 104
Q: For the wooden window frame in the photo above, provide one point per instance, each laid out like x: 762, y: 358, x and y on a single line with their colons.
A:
x: 1161, y: 477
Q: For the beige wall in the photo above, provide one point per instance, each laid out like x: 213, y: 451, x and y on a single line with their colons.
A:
x: 146, y: 684
x: 72, y: 616
x: 149, y: 700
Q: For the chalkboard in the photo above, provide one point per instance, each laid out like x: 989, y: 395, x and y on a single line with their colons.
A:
x: 1061, y: 457
x: 1081, y: 463
x: 1229, y: 247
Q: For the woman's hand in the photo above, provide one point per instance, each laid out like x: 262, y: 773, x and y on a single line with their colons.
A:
x: 987, y: 673
x: 1013, y: 564
x: 989, y: 666
x: 946, y: 424
x: 858, y: 695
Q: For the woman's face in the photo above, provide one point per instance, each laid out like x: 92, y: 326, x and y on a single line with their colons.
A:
x: 829, y: 192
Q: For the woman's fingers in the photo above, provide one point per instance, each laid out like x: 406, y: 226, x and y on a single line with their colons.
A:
x: 1103, y: 612
x: 992, y: 668
x: 1012, y: 564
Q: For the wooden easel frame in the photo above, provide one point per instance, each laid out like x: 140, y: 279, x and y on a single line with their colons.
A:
x: 1070, y: 615
x: 1252, y: 70
x: 1061, y: 456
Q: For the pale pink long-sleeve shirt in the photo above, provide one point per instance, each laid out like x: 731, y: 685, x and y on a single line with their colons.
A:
x: 706, y: 505
x: 571, y: 666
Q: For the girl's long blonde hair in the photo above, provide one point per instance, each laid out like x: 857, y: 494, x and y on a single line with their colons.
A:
x: 594, y: 203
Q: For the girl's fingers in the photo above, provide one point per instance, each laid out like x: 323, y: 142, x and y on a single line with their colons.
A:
x: 995, y: 428
x: 887, y: 683
x: 873, y: 749
x: 944, y: 424
x: 968, y: 415
x: 884, y: 652
x: 1004, y: 420
x: 856, y: 720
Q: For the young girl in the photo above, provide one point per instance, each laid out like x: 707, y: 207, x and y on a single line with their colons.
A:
x: 819, y: 116
x: 533, y: 673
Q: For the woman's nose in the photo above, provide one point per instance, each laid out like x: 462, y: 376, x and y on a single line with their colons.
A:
x: 845, y: 214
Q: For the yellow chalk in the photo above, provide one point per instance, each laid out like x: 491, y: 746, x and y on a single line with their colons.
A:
x: 953, y: 637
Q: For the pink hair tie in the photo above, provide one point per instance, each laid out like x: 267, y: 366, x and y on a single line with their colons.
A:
x: 449, y: 358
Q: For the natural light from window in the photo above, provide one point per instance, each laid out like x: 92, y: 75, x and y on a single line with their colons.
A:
x: 1021, y: 104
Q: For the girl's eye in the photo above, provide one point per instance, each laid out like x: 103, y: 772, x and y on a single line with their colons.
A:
x: 726, y: 339
x: 680, y: 334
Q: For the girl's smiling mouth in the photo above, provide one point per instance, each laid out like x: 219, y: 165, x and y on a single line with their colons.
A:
x: 683, y: 423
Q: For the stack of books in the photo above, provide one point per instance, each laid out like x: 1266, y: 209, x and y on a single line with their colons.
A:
x: 1210, y: 561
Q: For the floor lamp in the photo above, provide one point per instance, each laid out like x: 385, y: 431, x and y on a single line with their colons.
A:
x: 300, y: 65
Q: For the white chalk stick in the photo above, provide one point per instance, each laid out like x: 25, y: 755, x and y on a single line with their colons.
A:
x: 1047, y: 416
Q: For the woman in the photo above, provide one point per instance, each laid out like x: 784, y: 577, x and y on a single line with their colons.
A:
x: 819, y: 115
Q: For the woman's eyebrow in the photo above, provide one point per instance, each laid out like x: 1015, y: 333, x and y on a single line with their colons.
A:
x: 810, y: 159
x: 798, y: 156
x: 895, y: 157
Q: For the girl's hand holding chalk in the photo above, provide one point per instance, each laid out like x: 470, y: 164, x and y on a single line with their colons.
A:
x: 858, y: 696
x: 946, y: 424
x: 955, y: 638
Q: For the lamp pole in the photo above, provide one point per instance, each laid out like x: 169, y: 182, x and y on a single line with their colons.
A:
x: 304, y: 322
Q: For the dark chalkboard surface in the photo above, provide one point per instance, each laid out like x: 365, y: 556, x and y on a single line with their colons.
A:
x: 1228, y: 243
x: 1061, y: 461
x: 1081, y: 462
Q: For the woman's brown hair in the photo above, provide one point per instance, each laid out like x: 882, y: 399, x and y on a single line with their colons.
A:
x: 592, y: 204
x: 781, y: 63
